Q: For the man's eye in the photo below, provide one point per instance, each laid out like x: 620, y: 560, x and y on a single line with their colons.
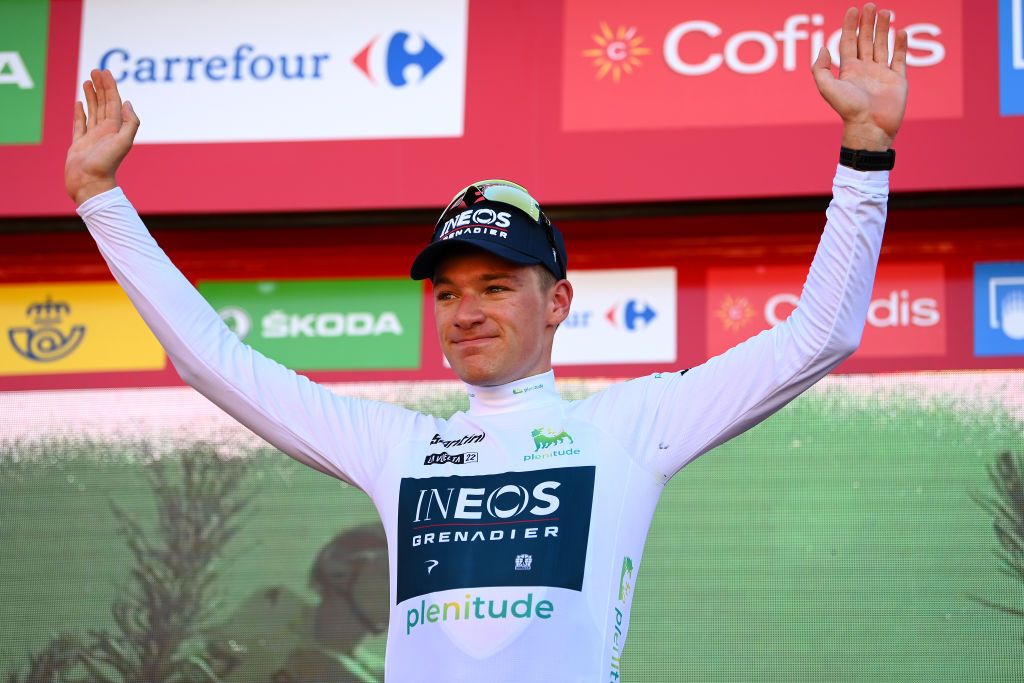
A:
x: 496, y: 288
x: 445, y: 296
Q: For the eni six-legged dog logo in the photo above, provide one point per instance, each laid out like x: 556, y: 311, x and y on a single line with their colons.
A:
x: 546, y: 438
x: 47, y: 339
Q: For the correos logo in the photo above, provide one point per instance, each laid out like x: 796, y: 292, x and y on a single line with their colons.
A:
x: 779, y: 48
x: 47, y: 339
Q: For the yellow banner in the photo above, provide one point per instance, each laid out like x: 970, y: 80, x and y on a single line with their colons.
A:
x: 54, y: 327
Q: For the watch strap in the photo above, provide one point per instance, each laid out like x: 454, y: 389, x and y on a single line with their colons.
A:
x: 864, y: 160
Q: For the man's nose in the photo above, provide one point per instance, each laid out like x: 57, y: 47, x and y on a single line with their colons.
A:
x: 469, y: 312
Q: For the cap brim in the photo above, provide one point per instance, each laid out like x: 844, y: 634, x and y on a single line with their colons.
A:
x: 426, y: 262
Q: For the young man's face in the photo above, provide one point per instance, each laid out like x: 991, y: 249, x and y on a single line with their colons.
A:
x: 496, y: 319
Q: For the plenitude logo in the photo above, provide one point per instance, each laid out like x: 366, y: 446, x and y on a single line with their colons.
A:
x: 474, y: 607
x: 906, y: 315
x: 238, y: 70
x: 23, y: 44
x: 619, y: 622
x: 546, y: 442
x: 741, y: 63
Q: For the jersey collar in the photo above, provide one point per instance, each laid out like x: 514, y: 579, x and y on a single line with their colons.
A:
x: 529, y: 392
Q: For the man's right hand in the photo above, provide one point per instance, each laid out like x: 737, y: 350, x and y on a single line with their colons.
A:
x: 100, y: 143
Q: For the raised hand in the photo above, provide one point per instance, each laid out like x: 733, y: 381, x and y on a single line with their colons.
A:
x: 99, y: 144
x: 870, y: 95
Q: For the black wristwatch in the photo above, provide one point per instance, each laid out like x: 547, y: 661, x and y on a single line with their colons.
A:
x: 863, y: 160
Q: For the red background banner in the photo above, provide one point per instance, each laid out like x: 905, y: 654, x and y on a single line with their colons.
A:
x: 737, y: 64
x: 516, y: 88
x: 906, y: 317
x: 929, y: 253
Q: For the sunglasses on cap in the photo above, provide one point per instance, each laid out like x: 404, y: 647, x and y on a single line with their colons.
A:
x: 509, y: 193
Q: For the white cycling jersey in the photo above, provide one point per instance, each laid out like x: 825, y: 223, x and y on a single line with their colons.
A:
x: 515, y: 529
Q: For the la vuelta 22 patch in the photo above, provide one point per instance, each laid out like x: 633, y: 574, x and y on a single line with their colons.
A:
x: 508, y: 529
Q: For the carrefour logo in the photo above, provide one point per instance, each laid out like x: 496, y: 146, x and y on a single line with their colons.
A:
x: 388, y: 58
x: 384, y: 69
x: 385, y: 59
x: 246, y: 62
x: 631, y: 315
x: 624, y: 315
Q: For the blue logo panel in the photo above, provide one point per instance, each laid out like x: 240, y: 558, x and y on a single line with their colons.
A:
x: 1011, y: 57
x: 999, y: 309
x: 508, y: 529
x: 399, y: 57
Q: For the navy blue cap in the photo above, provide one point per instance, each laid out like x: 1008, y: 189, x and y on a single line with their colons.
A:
x: 499, y: 217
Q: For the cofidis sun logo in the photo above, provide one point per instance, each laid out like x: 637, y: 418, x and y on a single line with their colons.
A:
x: 735, y: 312
x: 618, y: 52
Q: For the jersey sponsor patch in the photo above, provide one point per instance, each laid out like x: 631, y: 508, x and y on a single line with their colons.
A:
x: 478, y: 531
x: 446, y: 458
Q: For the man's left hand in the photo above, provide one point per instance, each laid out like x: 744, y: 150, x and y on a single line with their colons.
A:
x: 869, y: 94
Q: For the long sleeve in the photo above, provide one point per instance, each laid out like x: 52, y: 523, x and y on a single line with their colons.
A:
x: 345, y: 438
x: 678, y: 416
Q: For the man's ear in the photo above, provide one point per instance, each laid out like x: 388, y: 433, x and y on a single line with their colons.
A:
x: 560, y: 301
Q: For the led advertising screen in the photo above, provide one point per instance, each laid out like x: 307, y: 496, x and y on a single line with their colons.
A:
x: 868, y: 531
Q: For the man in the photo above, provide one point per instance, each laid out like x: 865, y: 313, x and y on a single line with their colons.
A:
x: 506, y: 567
x: 277, y: 636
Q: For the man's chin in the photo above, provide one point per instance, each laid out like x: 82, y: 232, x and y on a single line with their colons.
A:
x: 476, y: 375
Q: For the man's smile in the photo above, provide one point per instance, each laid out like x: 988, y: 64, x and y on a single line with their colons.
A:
x: 472, y: 342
